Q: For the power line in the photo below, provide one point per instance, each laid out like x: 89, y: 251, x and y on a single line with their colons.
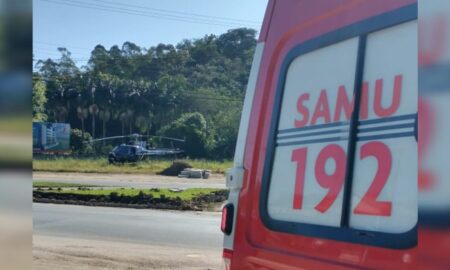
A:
x: 181, y: 13
x: 59, y: 59
x: 184, y: 15
x: 41, y: 43
x: 46, y: 50
x: 139, y: 13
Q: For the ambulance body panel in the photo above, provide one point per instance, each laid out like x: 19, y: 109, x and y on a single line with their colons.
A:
x: 326, y: 177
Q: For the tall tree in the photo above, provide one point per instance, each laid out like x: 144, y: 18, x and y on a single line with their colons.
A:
x: 39, y: 100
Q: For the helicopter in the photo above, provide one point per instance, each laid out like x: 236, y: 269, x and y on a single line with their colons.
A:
x: 136, y: 149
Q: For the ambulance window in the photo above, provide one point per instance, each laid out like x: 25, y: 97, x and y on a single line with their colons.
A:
x: 313, y: 126
x: 333, y: 173
x: 384, y: 188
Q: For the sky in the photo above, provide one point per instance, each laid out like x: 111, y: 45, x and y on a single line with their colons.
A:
x: 79, y: 25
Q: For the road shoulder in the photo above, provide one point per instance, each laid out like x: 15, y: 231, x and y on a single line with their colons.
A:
x: 131, y: 180
x: 51, y: 252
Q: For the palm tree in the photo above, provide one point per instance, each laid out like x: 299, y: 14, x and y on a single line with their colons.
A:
x: 93, y: 109
x: 104, y: 115
x: 82, y: 114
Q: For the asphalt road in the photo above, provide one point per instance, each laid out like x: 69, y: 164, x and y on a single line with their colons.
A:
x: 152, y: 227
x: 130, y: 180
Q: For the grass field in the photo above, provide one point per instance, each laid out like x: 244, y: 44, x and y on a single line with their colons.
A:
x: 101, y: 165
x: 186, y: 195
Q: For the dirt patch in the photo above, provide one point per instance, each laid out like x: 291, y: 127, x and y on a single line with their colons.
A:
x: 141, y: 201
x: 176, y: 168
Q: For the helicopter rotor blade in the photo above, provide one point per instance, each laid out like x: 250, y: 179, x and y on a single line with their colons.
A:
x: 105, y: 138
x: 165, y: 138
x: 135, y: 136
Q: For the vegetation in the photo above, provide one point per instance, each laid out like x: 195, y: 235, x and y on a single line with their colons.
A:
x: 193, y: 90
x: 43, y: 184
x: 101, y: 165
x: 193, y: 127
x: 189, y: 199
x: 39, y: 99
x: 187, y: 194
x: 77, y: 142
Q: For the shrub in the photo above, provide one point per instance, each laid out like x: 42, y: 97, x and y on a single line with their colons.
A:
x: 141, y: 194
x: 106, y: 149
x: 192, y: 127
x: 77, y: 142
x: 114, y: 196
x: 176, y: 168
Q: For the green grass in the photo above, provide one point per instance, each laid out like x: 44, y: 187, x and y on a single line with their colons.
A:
x: 101, y: 165
x: 186, y: 195
x: 43, y: 184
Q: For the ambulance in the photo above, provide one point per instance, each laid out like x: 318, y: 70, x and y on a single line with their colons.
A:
x: 325, y: 171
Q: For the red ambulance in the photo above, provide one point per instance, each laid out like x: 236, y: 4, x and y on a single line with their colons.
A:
x: 325, y: 170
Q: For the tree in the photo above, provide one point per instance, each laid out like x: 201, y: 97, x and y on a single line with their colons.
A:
x: 66, y: 66
x: 193, y: 89
x: 192, y: 127
x: 143, y: 124
x: 169, y: 91
x: 226, y: 130
x: 93, y: 110
x: 82, y: 113
x: 39, y: 100
x: 78, y: 142
x: 204, y: 50
x: 104, y: 115
x: 236, y: 43
x: 99, y: 61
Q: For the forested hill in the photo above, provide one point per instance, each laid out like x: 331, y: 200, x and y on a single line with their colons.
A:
x: 193, y: 89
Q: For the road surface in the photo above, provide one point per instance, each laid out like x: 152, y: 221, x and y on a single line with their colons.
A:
x: 82, y: 237
x: 130, y: 180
